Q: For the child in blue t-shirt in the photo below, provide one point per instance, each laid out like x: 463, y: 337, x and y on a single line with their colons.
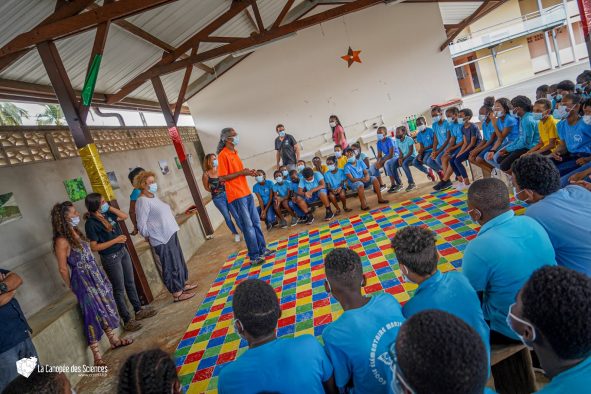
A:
x: 271, y: 365
x: 359, y: 179
x: 282, y: 191
x: 263, y: 189
x: 312, y: 189
x: 334, y: 178
x: 477, y: 155
x: 299, y: 208
x: 358, y: 342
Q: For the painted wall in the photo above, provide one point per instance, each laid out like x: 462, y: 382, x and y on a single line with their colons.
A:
x: 25, y: 244
x: 301, y: 80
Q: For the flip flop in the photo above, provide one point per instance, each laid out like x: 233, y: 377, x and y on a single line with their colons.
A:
x: 122, y: 343
x: 189, y: 287
x: 187, y: 296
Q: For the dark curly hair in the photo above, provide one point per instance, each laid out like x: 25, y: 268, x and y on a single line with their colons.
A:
x: 489, y: 195
x: 62, y: 228
x: 343, y: 265
x: 148, y: 372
x: 256, y: 305
x: 543, y: 89
x: 566, y: 85
x: 415, y: 247
x: 506, y: 104
x: 489, y: 101
x: 557, y: 301
x: 545, y: 102
x: 133, y: 173
x: 536, y: 172
x: 439, y: 353
x: 307, y: 172
x: 38, y: 383
x: 522, y: 102
x: 467, y: 112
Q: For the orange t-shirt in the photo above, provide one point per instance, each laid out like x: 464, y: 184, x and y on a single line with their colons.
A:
x: 228, y: 163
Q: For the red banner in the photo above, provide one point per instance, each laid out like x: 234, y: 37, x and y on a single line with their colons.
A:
x: 178, y: 143
x: 585, y: 12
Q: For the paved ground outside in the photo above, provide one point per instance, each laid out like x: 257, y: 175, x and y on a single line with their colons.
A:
x: 528, y: 87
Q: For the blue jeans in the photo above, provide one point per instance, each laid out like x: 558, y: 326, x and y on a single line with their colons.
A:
x: 406, y: 168
x: 456, y: 164
x: 8, y: 359
x: 315, y: 196
x: 356, y: 185
x: 569, y: 163
x: 495, y: 160
x: 271, y: 217
x: 373, y: 171
x: 427, y: 160
x: 248, y: 221
x: 564, y: 179
x: 221, y: 203
x: 119, y: 270
x: 439, y: 156
x: 299, y: 213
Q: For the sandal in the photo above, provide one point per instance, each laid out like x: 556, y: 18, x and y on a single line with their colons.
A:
x: 366, y: 208
x: 348, y: 210
x: 183, y: 296
x: 337, y: 212
x: 189, y: 287
x: 383, y: 201
x: 122, y: 342
x: 99, y: 362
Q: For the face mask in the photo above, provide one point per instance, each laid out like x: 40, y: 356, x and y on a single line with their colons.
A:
x: 238, y: 327
x: 436, y: 118
x: 398, y: 385
x: 514, y: 113
x: 75, y: 221
x: 259, y: 178
x: 236, y: 140
x: 300, y: 168
x: 538, y: 116
x: 421, y: 128
x: 356, y: 152
x: 332, y: 124
x: 558, y: 98
x: 153, y: 188
x: 499, y: 114
x: 285, y: 173
x: 338, y: 154
x: 215, y: 162
x: 549, y: 97
x: 587, y: 119
x: 404, y: 275
x: 472, y: 218
x: 460, y: 120
x: 560, y: 113
x: 282, y: 134
x: 579, y: 87
x: 482, y: 118
x: 351, y: 159
x: 309, y: 182
x: 516, y: 194
x: 104, y: 208
x: 279, y: 179
x: 382, y: 137
x: 331, y: 167
x: 511, y: 316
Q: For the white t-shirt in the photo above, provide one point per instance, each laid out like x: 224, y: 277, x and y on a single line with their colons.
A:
x: 155, y: 220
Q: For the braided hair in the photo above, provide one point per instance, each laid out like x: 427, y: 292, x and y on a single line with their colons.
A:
x: 62, y: 227
x: 148, y: 372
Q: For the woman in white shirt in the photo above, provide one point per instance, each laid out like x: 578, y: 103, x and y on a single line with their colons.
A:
x: 156, y: 222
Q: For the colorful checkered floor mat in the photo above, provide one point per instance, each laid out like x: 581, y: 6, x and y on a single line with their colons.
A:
x: 296, y: 272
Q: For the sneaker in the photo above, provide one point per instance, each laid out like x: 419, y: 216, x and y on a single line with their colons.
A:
x: 132, y: 325
x: 283, y: 224
x: 461, y: 187
x: 392, y: 189
x: 268, y: 252
x: 398, y: 188
x: 269, y: 226
x: 236, y: 237
x: 446, y: 185
x: 431, y: 175
x: 303, y: 220
x: 411, y: 186
x: 495, y: 173
x: 257, y: 261
x: 310, y: 219
x: 329, y: 215
x: 145, y: 313
x: 383, y: 187
x: 437, y: 187
x: 294, y: 221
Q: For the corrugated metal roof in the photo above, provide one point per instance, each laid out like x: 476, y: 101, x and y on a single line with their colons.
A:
x: 126, y: 55
x: 455, y: 12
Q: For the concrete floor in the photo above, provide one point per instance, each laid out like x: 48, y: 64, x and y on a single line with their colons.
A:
x: 166, y: 329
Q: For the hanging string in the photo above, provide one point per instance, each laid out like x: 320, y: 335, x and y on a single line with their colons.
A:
x: 322, y: 30
x: 346, y: 31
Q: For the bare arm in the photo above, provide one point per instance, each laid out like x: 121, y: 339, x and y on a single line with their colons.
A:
x: 119, y: 213
x: 62, y: 249
x: 297, y: 150
x: 279, y: 158
x: 97, y: 247
x: 205, y: 180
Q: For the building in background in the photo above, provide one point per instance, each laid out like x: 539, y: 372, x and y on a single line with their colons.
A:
x: 514, y: 42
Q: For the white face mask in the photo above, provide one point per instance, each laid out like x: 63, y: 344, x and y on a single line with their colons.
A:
x: 332, y: 124
x: 75, y: 221
x: 511, y: 316
x: 422, y: 128
x: 404, y: 274
x: 587, y: 119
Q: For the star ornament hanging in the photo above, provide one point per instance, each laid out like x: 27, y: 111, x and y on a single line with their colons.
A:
x: 351, y: 57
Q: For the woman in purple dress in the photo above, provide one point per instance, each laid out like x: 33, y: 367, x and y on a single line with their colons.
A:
x: 86, y: 279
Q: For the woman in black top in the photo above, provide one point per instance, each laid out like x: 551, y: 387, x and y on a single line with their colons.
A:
x: 215, y: 185
x: 105, y: 237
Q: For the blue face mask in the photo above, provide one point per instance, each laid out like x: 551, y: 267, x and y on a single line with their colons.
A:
x: 285, y: 173
x: 499, y: 114
x: 558, y: 98
x: 482, y: 118
x: 382, y: 137
x: 153, y: 188
x: 259, y: 178
x: 279, y: 179
x: 300, y: 168
x: 560, y: 113
x: 579, y: 87
x: 537, y: 116
x: 436, y: 118
x: 509, y: 319
x: 215, y: 162
x: 282, y: 134
x: 104, y: 207
x: 460, y: 120
x: 331, y: 167
x: 75, y: 221
x: 516, y: 194
x: 351, y: 159
x: 236, y: 140
x: 338, y: 154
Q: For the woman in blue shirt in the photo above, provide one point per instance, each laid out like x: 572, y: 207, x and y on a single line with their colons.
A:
x: 477, y: 155
x: 506, y: 129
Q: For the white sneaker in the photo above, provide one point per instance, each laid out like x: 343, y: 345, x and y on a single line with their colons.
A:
x: 461, y: 187
x: 236, y: 237
x: 495, y: 173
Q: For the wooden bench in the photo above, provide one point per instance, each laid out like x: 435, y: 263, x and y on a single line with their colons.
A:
x: 511, y: 368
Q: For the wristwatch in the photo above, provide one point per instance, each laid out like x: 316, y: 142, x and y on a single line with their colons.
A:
x: 3, y: 288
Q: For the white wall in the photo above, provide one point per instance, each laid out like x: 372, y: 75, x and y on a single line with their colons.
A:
x: 301, y: 80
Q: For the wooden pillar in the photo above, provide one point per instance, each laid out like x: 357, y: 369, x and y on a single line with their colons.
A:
x: 180, y: 150
x: 85, y: 144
